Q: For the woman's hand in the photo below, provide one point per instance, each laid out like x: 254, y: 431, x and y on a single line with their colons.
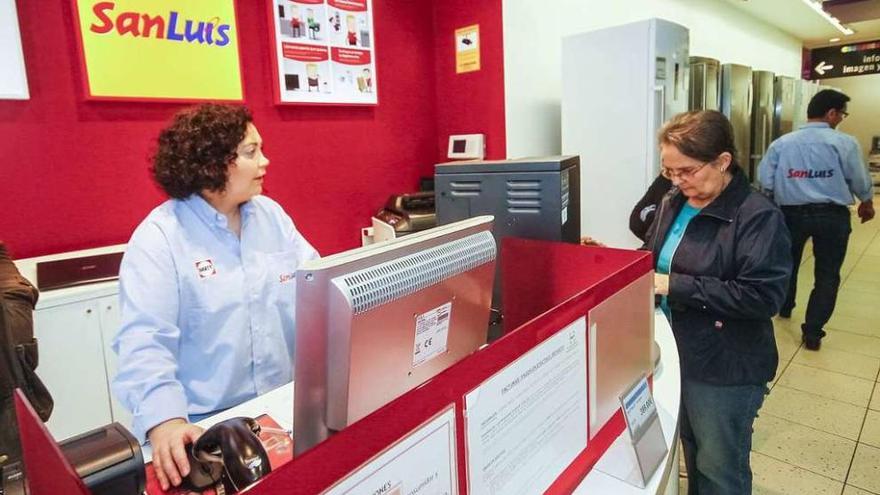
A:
x: 661, y: 284
x: 169, y: 456
x: 589, y: 241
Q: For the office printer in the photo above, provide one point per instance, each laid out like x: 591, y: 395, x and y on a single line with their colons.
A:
x: 108, y: 459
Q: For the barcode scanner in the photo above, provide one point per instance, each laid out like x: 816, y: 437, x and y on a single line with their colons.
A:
x: 232, y: 448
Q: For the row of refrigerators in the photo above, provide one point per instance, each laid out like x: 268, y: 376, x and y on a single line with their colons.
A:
x: 761, y: 105
x: 621, y: 84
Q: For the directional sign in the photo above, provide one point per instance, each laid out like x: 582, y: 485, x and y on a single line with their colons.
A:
x: 845, y: 61
x: 822, y: 67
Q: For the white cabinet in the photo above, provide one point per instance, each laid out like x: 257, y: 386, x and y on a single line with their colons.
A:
x: 77, y: 362
x: 74, y: 328
x: 72, y: 366
x: 109, y: 310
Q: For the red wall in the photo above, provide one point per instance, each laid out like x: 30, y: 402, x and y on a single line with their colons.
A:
x: 74, y: 173
x: 472, y: 102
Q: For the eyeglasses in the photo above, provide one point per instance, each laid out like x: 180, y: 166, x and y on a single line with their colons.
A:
x: 684, y: 173
x: 844, y: 113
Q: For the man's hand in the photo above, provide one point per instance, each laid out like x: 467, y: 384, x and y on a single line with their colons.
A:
x: 661, y: 284
x: 866, y: 210
x: 169, y: 457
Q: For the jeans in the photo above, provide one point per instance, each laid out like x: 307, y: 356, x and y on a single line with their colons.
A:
x: 716, y: 433
x: 829, y: 226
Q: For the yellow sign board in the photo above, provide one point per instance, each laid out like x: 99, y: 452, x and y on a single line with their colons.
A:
x: 159, y: 49
x: 467, y: 49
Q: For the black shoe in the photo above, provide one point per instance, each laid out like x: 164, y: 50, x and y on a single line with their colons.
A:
x: 812, y: 343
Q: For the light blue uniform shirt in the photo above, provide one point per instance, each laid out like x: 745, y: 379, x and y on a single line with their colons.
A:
x: 207, y: 318
x: 670, y: 244
x: 815, y: 164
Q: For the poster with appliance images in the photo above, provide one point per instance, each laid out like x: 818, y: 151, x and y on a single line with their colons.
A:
x: 164, y: 50
x: 324, y: 52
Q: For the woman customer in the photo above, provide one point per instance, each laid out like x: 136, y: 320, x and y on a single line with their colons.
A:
x: 206, y: 285
x: 723, y: 260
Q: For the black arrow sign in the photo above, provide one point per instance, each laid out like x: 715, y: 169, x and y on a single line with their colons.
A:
x: 845, y: 61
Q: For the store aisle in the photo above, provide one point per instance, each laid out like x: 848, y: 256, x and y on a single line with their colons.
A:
x: 819, y: 429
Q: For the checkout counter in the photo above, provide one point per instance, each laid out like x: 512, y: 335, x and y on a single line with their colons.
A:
x: 667, y: 395
x: 543, y: 306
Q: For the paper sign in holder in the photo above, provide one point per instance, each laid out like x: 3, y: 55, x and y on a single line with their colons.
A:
x: 636, y: 454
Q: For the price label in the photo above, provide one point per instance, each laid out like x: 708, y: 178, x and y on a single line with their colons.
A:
x: 638, y: 407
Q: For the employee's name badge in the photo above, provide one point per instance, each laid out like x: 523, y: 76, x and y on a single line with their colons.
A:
x: 205, y: 268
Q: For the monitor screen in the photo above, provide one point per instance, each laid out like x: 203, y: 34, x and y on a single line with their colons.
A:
x: 459, y: 145
x: 377, y: 321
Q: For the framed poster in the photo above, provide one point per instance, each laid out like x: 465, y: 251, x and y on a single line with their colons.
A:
x: 13, y: 78
x: 167, y: 50
x: 324, y: 52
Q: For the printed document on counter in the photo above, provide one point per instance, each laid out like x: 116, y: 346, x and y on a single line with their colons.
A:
x: 423, y: 463
x: 528, y: 422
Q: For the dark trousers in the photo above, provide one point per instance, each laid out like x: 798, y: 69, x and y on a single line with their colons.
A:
x: 716, y: 436
x: 829, y: 227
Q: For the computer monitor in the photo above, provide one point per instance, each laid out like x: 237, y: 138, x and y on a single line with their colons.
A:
x: 377, y: 321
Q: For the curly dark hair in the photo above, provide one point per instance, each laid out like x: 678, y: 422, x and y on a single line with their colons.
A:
x: 195, y: 151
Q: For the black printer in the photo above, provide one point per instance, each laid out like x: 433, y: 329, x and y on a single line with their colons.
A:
x: 108, y: 459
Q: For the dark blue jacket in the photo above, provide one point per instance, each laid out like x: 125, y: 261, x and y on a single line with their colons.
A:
x: 728, y: 278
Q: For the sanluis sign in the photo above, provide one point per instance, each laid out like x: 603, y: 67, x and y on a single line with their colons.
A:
x: 845, y: 61
x: 159, y: 49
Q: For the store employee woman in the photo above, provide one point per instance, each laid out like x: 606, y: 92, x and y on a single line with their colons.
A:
x: 206, y: 285
x: 723, y: 260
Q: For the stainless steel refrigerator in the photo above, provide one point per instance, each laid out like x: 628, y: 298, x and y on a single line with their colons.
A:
x: 762, y: 118
x: 705, y: 90
x: 784, y: 91
x: 619, y: 85
x: 804, y: 92
x: 736, y: 104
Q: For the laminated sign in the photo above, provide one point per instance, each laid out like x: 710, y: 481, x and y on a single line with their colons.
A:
x: 324, y: 51
x: 467, y: 49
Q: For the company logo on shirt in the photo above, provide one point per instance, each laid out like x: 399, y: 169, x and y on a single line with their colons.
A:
x: 286, y: 277
x: 205, y: 268
x: 810, y: 174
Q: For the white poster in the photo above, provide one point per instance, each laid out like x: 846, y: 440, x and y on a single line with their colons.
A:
x: 324, y: 51
x: 423, y: 463
x: 527, y: 423
x: 13, y: 78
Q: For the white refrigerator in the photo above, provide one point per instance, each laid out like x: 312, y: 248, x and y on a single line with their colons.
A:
x: 619, y: 85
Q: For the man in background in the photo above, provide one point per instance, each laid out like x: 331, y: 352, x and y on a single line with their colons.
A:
x: 812, y: 174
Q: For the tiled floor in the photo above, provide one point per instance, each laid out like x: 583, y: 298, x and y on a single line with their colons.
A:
x: 819, y: 429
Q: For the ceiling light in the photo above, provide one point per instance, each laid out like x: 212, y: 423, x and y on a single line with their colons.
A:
x: 817, y: 6
x: 834, y: 40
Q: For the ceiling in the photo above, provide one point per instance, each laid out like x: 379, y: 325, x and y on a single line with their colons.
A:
x: 799, y: 20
